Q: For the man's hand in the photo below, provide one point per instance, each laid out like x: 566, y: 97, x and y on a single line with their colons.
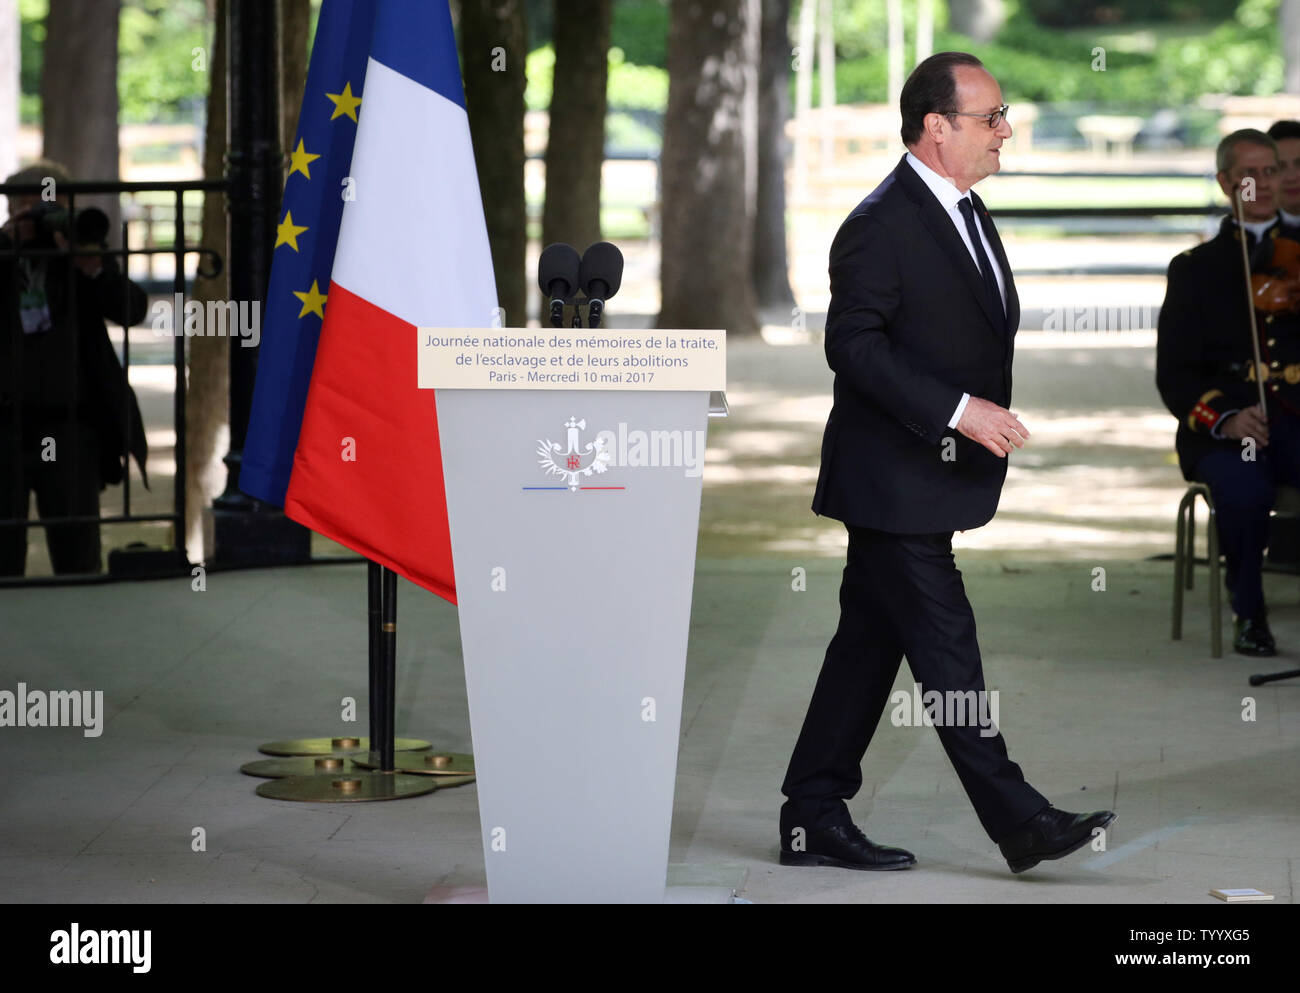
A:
x: 91, y: 265
x: 994, y: 427
x: 1248, y: 423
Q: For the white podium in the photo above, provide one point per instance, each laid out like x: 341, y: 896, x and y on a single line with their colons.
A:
x: 573, y: 500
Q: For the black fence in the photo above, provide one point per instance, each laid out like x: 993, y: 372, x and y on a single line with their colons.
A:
x: 60, y: 374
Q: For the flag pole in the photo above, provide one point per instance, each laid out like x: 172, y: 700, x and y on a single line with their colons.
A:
x: 388, y: 754
x: 380, y: 767
x: 385, y: 705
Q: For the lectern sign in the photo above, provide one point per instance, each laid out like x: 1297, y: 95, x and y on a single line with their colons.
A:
x: 571, y: 359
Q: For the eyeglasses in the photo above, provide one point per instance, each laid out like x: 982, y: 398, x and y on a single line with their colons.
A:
x: 994, y: 119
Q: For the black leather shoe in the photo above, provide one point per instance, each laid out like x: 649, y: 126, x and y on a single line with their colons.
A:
x: 1253, y: 637
x: 1050, y: 834
x: 847, y: 847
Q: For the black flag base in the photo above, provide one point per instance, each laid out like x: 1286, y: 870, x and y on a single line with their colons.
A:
x: 242, y: 539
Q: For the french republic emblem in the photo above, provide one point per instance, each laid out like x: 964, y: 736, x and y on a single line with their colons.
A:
x: 578, y: 460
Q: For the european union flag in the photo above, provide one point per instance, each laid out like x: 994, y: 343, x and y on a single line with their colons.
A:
x: 315, y: 191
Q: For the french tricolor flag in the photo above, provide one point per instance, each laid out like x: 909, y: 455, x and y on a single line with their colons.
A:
x: 365, y: 467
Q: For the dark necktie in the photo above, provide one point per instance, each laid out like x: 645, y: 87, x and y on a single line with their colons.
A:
x: 986, y: 267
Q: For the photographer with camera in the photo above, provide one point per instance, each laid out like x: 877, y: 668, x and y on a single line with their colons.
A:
x: 67, y: 415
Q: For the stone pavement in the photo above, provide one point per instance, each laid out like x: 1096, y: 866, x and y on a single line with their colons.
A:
x: 1098, y: 706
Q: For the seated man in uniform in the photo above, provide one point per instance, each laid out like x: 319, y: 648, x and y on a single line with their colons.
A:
x: 1205, y: 372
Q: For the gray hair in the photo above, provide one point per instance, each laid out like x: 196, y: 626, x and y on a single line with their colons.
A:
x: 1225, y: 156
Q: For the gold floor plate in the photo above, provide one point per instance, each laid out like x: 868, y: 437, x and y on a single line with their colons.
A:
x: 335, y: 746
x: 445, y: 782
x: 299, y: 765
x: 353, y: 787
x: 422, y: 763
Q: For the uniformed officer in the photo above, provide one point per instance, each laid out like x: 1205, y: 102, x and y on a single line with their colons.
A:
x: 1206, y: 375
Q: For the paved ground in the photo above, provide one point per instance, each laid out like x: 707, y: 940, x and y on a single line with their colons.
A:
x: 1098, y: 706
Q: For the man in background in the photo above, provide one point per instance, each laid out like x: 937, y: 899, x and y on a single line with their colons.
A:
x: 1205, y: 372
x: 67, y: 416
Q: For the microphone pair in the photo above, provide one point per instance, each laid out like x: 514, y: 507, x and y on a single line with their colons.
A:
x: 561, y: 273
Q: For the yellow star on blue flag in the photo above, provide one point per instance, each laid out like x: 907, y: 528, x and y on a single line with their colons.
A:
x: 345, y: 103
x: 313, y: 301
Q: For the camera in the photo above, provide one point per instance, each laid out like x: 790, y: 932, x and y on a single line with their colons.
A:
x: 89, y: 226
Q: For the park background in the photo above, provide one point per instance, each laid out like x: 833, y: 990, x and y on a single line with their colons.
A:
x: 720, y: 145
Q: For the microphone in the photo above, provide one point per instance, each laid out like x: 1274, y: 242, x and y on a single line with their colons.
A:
x: 557, y: 277
x: 600, y: 274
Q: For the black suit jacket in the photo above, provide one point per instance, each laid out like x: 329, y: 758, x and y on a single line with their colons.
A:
x: 71, y: 370
x: 1203, y: 351
x: 910, y: 328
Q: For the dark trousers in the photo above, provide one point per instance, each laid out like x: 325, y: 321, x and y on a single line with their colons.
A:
x: 1243, y: 493
x: 900, y: 595
x: 66, y: 485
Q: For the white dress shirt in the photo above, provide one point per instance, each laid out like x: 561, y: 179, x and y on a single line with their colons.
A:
x: 949, y: 196
x: 1257, y: 228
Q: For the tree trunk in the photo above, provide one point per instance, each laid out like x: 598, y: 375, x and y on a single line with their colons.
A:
x: 575, y: 147
x: 79, y: 95
x: 978, y: 20
x: 771, y: 267
x: 894, y: 15
x: 207, y: 398
x: 709, y: 166
x: 493, y: 45
x: 295, y: 22
x: 924, y: 30
x: 10, y: 60
x: 804, y: 65
x: 1289, y: 30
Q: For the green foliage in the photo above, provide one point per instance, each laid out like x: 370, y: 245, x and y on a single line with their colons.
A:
x: 1071, y: 13
x: 539, y: 71
x: 1144, y: 64
x: 636, y: 87
x: 631, y: 87
x: 156, y: 80
x: 31, y: 41
x: 862, y: 28
x: 640, y: 29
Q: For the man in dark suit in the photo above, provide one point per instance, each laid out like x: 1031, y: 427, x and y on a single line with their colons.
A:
x: 919, y: 334
x: 1205, y: 375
